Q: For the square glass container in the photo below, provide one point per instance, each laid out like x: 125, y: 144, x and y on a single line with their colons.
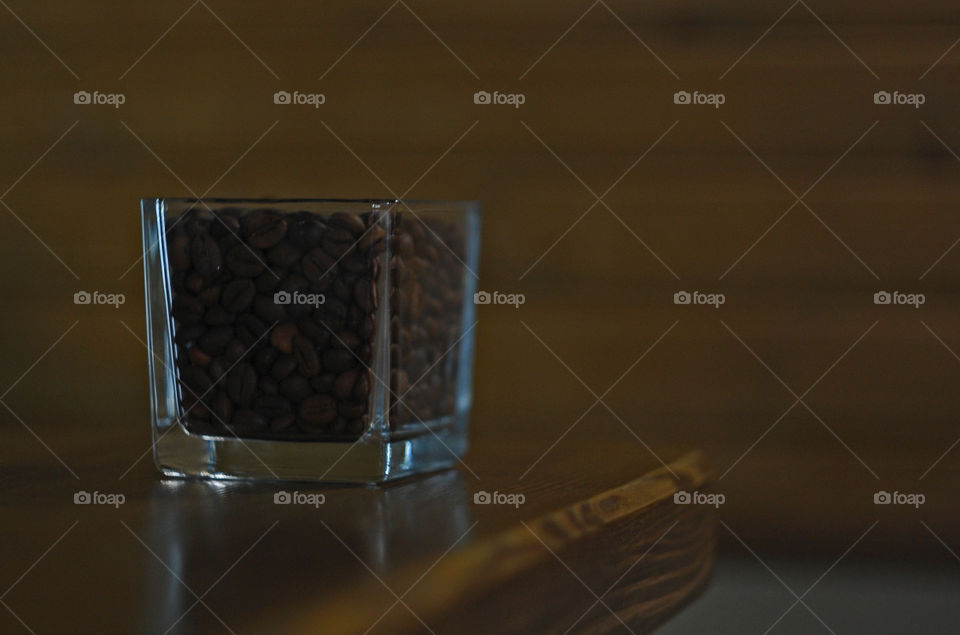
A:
x: 318, y: 340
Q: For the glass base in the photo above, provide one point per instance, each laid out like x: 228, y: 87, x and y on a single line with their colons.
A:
x: 369, y: 460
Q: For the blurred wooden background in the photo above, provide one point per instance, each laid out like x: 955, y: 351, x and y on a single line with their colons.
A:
x: 399, y: 114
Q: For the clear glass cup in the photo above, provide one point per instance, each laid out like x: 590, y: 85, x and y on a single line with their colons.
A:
x: 319, y: 340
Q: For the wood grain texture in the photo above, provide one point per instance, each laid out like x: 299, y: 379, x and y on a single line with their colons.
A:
x: 268, y: 568
x: 631, y: 545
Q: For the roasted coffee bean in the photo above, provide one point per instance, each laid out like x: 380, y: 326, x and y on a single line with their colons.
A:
x: 189, y: 398
x: 373, y: 235
x: 348, y: 340
x: 356, y: 426
x: 323, y: 284
x: 225, y: 225
x: 269, y: 281
x: 271, y: 406
x: 304, y: 230
x: 316, y: 263
x: 264, y: 359
x: 247, y: 421
x: 322, y: 384
x: 284, y: 365
x: 361, y: 389
x: 187, y: 308
x: 197, y: 380
x: 269, y: 385
x: 351, y: 223
x: 341, y: 290
x: 405, y: 245
x: 295, y: 388
x: 205, y: 255
x: 281, y: 424
x: 268, y: 234
x: 178, y: 248
x: 227, y: 243
x: 339, y: 425
x: 198, y: 357
x: 242, y: 384
x: 344, y: 383
x: 209, y: 296
x: 218, y: 316
x: 338, y: 360
x: 355, y: 316
x: 249, y: 329
x: 254, y: 220
x: 300, y: 357
x: 223, y: 407
x: 317, y: 333
x: 351, y: 409
x: 283, y: 254
x: 367, y: 327
x: 198, y: 411
x: 334, y: 248
x: 355, y: 263
x: 339, y: 235
x: 401, y: 274
x: 268, y: 310
x: 189, y: 333
x: 215, y: 340
x: 334, y: 309
x: 282, y: 336
x: 238, y: 295
x: 308, y: 364
x: 334, y: 323
x: 218, y: 368
x: 243, y: 260
x: 318, y: 410
x: 235, y: 351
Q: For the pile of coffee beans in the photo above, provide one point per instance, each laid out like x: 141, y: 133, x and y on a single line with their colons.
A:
x: 275, y: 317
x: 426, y: 311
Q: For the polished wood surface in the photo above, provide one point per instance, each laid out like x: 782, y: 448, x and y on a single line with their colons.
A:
x: 641, y: 555
x: 584, y: 530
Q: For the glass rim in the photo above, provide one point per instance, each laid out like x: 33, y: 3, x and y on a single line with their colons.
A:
x: 263, y: 201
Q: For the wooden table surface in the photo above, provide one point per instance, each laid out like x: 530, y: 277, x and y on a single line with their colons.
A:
x: 187, y: 556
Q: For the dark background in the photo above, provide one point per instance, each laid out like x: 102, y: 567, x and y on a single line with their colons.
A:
x: 399, y: 119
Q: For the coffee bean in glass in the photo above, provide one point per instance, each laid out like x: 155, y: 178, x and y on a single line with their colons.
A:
x: 238, y: 294
x: 317, y: 411
x: 275, y: 315
x: 244, y: 261
x: 205, y: 254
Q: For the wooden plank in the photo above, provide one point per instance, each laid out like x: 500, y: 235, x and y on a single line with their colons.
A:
x: 138, y: 566
x: 658, y: 554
